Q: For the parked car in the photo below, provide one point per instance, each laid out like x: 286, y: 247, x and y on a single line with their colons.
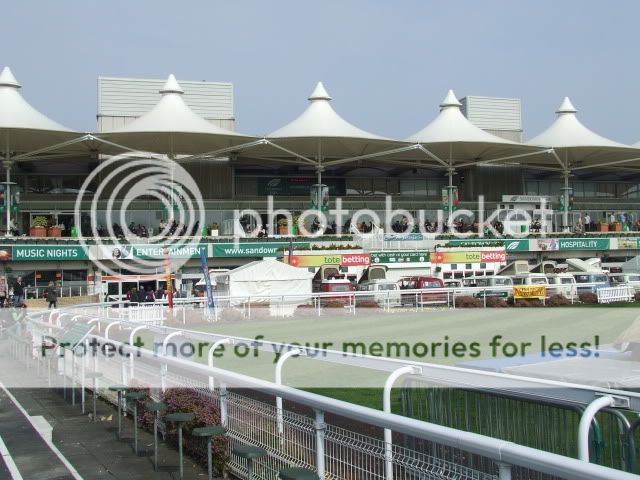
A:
x: 596, y: 280
x: 631, y: 279
x: 562, y: 284
x: 335, y: 285
x: 422, y: 283
x: 383, y: 292
x: 491, y: 283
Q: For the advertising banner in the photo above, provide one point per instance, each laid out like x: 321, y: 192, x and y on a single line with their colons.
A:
x: 48, y: 252
x: 265, y: 249
x: 399, y: 257
x: 119, y: 252
x: 344, y: 260
x: 584, y: 243
x: 470, y: 257
x: 529, y: 291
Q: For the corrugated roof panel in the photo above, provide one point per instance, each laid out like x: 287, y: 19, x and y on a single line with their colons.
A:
x: 493, y: 113
x: 134, y: 97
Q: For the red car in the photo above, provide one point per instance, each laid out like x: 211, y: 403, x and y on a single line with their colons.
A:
x: 422, y: 283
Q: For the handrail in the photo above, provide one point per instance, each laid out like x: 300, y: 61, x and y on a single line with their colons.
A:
x: 435, y: 374
x: 498, y: 450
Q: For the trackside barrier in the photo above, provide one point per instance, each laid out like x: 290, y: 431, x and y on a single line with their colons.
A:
x: 345, y: 454
x: 616, y: 294
x: 150, y: 314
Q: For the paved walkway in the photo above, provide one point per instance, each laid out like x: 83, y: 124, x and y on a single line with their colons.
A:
x: 91, y: 448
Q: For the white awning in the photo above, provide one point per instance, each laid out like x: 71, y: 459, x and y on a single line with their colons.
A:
x: 320, y: 132
x: 171, y: 127
x: 578, y: 147
x: 454, y: 140
x: 22, y: 127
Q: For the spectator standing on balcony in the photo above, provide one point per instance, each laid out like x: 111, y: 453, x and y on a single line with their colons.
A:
x: 3, y: 291
x: 587, y: 222
x: 18, y: 293
x: 52, y: 295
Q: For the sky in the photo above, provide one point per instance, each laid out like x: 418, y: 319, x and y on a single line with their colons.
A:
x: 387, y: 65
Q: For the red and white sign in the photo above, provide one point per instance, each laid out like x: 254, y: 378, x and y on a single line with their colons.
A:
x: 355, y: 259
x: 493, y: 256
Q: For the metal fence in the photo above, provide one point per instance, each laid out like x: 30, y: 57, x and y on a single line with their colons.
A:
x: 428, y: 451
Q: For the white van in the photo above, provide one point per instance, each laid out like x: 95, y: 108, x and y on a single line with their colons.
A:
x: 488, y: 282
x: 562, y: 284
x: 386, y: 292
x: 631, y: 279
x: 530, y: 279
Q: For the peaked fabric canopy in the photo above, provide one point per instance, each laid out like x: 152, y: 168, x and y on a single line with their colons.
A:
x: 22, y: 127
x: 319, y: 132
x: 454, y: 139
x: 171, y: 127
x: 578, y: 147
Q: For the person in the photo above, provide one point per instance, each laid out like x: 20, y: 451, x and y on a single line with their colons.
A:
x: 150, y: 296
x: 13, y: 228
x: 18, y: 293
x: 578, y: 227
x: 3, y: 290
x: 587, y: 222
x: 52, y: 295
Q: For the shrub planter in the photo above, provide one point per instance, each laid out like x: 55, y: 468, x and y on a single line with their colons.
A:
x: 615, y: 227
x: 38, y: 232
x: 603, y: 227
x: 54, y: 232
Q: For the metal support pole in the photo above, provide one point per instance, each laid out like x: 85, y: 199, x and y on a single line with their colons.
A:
x: 224, y: 407
x: 212, y: 349
x: 131, y: 336
x: 585, y: 424
x: 565, y: 196
x: 504, y: 471
x: 386, y: 407
x: 320, y: 427
x: 280, y: 363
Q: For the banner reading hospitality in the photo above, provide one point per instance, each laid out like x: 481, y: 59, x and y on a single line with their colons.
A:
x: 529, y: 291
x: 488, y: 256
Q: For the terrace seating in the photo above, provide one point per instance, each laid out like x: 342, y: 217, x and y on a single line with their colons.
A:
x: 249, y: 453
x: 156, y: 408
x: 119, y: 389
x: 297, y: 473
x: 135, y: 397
x: 209, y: 433
x: 180, y: 418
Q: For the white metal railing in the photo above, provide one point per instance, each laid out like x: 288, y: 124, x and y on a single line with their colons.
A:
x: 345, y: 453
x: 616, y: 294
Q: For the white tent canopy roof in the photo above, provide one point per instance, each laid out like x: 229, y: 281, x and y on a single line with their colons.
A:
x: 22, y: 126
x: 453, y: 138
x: 578, y: 147
x: 320, y: 130
x: 451, y: 126
x: 567, y: 131
x: 172, y: 127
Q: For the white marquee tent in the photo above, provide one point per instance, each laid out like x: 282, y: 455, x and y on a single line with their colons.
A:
x: 259, y: 281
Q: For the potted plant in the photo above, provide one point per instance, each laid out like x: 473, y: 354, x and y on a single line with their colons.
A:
x: 213, y: 229
x: 615, y: 227
x: 603, y: 226
x: 283, y: 226
x: 294, y: 227
x: 39, y: 226
x: 54, y: 231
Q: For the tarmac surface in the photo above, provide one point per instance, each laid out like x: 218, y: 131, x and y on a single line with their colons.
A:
x: 86, y: 449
